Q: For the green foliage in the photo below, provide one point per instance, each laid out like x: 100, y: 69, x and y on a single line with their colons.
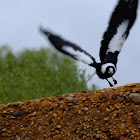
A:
x: 37, y: 73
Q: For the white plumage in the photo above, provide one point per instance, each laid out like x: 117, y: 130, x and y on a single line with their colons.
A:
x: 81, y: 56
x: 117, y: 41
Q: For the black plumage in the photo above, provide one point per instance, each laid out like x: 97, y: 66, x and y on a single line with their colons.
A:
x: 63, y: 45
x: 126, y: 10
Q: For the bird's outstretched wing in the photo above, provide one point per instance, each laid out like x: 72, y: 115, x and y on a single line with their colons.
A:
x: 68, y: 48
x: 122, y: 19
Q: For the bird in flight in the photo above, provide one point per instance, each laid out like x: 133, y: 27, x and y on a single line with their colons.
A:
x: 121, y: 21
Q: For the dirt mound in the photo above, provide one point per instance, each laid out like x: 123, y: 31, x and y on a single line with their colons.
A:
x: 112, y: 113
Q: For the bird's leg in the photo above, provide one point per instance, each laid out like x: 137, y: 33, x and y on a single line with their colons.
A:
x: 115, y: 81
x: 109, y: 83
x: 91, y: 76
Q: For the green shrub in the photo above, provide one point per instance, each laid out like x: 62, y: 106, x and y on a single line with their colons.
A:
x: 37, y: 73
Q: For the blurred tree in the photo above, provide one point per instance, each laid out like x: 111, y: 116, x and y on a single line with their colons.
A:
x: 37, y: 73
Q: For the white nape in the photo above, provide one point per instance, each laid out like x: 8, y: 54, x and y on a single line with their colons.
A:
x: 104, y: 66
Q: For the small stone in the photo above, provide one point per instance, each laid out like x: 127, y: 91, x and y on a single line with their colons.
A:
x: 54, y: 114
x: 26, y: 138
x: 121, y: 93
x: 117, y: 106
x: 75, y: 101
x: 91, y: 93
x: 59, y: 97
x: 44, y: 103
x: 127, y: 131
x: 86, y: 118
x: 18, y: 138
x: 135, y: 97
x: 4, y: 130
x: 136, y: 90
x: 81, y: 132
x: 69, y: 104
x: 69, y: 98
x: 102, y: 96
x: 106, y: 119
x: 114, y: 96
x: 77, y: 106
x: 84, y: 99
x: 17, y: 114
x: 117, y: 115
x: 97, y: 136
x: 4, y: 112
x: 32, y: 123
x: 120, y: 99
x: 130, y: 114
x: 85, y: 109
x: 121, y: 137
x: 122, y: 126
x: 84, y: 137
x: 58, y: 126
x: 57, y: 132
x: 55, y: 106
x: 126, y: 99
x: 34, y: 113
x: 39, y: 128
x: 47, y: 123
x: 79, y: 111
x: 13, y: 117
x: 133, y: 132
x: 52, y: 130
x: 59, y: 137
x: 74, y: 129
x: 132, y: 110
x: 24, y: 134
x: 36, y: 103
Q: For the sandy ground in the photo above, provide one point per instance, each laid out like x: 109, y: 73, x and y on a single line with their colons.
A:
x: 108, y: 114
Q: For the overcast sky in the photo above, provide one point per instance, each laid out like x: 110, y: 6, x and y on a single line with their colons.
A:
x: 80, y: 21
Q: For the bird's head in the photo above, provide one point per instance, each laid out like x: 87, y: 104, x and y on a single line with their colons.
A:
x: 108, y: 69
x: 105, y: 70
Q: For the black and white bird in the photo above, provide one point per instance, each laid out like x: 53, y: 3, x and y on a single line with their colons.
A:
x: 122, y: 19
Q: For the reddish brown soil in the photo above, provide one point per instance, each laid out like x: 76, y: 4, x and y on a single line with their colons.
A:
x: 99, y: 114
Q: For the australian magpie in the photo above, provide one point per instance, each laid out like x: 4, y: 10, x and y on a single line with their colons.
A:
x: 122, y: 19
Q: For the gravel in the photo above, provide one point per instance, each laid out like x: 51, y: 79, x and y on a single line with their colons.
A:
x: 112, y: 113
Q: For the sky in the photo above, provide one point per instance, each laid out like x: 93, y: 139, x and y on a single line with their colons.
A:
x: 82, y: 22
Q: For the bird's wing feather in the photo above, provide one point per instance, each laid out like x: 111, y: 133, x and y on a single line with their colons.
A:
x: 68, y: 48
x: 122, y: 19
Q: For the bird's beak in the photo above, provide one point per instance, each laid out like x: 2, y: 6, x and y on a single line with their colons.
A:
x: 111, y: 71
